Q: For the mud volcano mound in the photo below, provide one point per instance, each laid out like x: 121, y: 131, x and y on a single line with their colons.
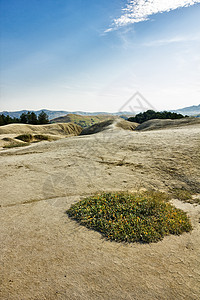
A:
x: 108, y: 125
x: 55, y: 129
x: 163, y: 124
x: 12, y: 133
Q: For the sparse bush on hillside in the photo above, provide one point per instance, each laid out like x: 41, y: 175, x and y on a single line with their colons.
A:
x: 41, y: 137
x: 122, y: 217
x: 27, y: 137
x: 151, y: 114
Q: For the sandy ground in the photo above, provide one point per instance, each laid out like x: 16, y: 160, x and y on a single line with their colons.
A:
x: 45, y: 255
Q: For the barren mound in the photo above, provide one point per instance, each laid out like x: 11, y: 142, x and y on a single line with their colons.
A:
x: 8, y: 133
x: 126, y: 125
x: 163, y: 124
x: 57, y: 129
x: 109, y: 124
x: 83, y: 121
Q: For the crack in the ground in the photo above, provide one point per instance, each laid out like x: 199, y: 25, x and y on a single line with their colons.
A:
x: 28, y: 202
x: 14, y: 153
x: 45, y: 199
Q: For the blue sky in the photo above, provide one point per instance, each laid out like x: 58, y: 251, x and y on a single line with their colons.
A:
x: 94, y: 55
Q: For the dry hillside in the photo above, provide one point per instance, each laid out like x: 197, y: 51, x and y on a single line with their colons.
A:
x: 156, y: 124
x: 110, y: 124
x: 83, y: 121
x: 8, y: 133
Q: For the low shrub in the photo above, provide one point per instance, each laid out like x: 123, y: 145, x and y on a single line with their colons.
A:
x: 41, y: 137
x: 27, y: 137
x: 123, y: 217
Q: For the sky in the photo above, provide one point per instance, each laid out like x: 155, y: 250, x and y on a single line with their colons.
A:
x: 91, y: 55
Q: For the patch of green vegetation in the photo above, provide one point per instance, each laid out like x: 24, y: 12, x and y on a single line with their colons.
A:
x: 151, y: 114
x: 41, y: 137
x: 27, y: 137
x: 25, y: 118
x: 16, y: 145
x: 122, y: 217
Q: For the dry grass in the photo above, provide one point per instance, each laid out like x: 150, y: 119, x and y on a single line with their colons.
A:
x: 181, y: 194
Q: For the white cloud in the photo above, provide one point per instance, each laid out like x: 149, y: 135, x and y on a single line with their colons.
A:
x: 140, y: 10
x: 172, y: 40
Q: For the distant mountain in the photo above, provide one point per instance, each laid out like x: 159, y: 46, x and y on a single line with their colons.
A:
x: 60, y: 113
x: 51, y: 114
x: 190, y: 111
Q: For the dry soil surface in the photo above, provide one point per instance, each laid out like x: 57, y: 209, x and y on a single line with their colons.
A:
x: 46, y: 255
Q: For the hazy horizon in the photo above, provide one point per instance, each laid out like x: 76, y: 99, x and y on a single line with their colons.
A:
x: 88, y: 111
x: 93, y: 56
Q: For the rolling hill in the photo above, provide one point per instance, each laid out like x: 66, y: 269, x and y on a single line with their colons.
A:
x: 9, y: 133
x: 81, y: 120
